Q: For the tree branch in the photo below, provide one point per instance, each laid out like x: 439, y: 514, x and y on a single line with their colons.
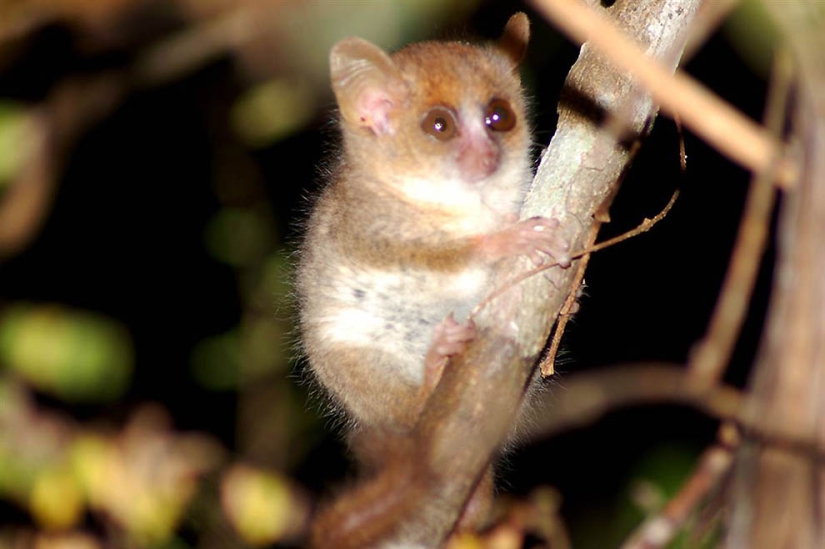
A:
x: 712, y: 354
x: 734, y: 135
x: 587, y: 396
x: 778, y: 498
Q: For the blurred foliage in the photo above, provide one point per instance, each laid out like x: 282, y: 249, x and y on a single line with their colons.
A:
x: 142, y: 477
x: 263, y: 507
x: 145, y: 477
x: 658, y: 474
x: 216, y: 362
x: 278, y: 106
x: 274, y: 110
x: 753, y: 34
x: 76, y: 355
x: 50, y: 540
x: 240, y: 236
x: 655, y: 478
x: 13, y: 141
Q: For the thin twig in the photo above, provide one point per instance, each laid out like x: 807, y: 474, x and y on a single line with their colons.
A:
x: 172, y: 58
x: 643, y: 227
x: 713, y: 119
x: 547, y: 366
x: 659, y: 530
x: 28, y: 199
x: 713, y: 352
x: 587, y: 396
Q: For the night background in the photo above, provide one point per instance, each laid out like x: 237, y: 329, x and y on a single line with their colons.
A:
x: 165, y: 251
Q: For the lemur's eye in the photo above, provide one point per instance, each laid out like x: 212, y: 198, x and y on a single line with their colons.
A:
x: 439, y: 123
x: 500, y: 116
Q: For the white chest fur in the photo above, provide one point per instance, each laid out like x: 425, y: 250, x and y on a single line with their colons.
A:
x: 396, y: 311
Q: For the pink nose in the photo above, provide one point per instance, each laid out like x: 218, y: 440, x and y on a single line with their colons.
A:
x: 478, y: 158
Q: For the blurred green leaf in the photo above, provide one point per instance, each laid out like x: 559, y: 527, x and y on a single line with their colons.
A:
x: 608, y: 523
x: 238, y: 236
x: 753, y: 34
x: 688, y: 540
x: 263, y: 345
x: 15, y: 140
x: 173, y: 543
x: 75, y: 355
x: 663, y: 469
x: 16, y: 475
x: 216, y: 362
x: 667, y: 466
x: 276, y: 277
x: 316, y: 26
x: 273, y: 110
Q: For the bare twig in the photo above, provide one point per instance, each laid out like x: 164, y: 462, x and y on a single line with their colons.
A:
x: 716, y: 121
x: 587, y: 396
x: 182, y: 53
x: 643, y: 227
x: 712, y: 353
x: 547, y: 366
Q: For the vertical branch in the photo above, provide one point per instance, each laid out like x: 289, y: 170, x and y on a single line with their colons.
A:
x: 779, y: 499
x: 713, y: 353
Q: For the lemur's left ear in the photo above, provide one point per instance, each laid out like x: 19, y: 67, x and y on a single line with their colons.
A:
x: 513, y: 41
